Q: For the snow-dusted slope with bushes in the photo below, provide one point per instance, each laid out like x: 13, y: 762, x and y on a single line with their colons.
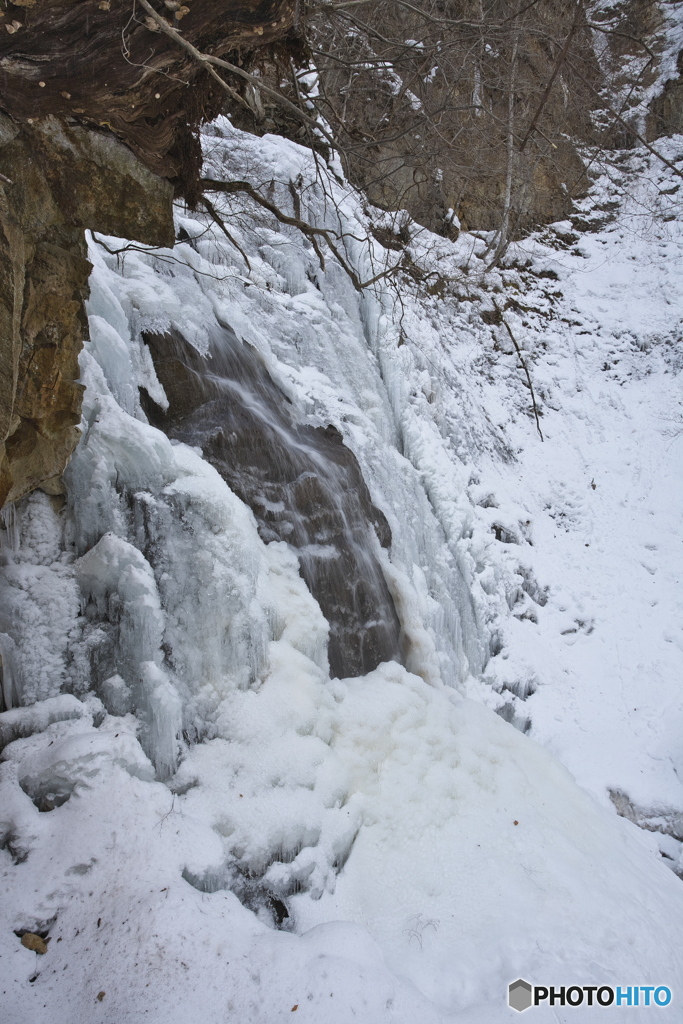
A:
x: 207, y: 826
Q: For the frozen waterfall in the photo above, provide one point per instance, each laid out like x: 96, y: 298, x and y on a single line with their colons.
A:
x: 302, y: 483
x: 240, y: 775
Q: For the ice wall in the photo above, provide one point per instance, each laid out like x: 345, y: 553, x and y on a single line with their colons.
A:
x: 164, y: 558
x: 161, y: 573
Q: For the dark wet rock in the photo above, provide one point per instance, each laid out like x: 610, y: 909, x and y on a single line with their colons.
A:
x: 303, y: 484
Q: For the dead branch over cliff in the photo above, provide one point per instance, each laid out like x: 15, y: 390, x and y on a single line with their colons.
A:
x: 332, y: 238
x: 211, y: 63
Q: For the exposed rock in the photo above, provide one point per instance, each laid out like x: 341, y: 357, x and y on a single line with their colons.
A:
x: 34, y: 942
x: 545, y: 188
x: 63, y: 179
x: 100, y: 64
x: 99, y: 131
x: 424, y: 103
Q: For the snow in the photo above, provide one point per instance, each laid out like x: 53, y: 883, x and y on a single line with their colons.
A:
x: 28, y: 720
x: 603, y: 499
x: 509, y: 873
x: 208, y: 826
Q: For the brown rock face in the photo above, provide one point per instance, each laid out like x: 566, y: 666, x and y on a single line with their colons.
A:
x: 99, y: 63
x: 34, y: 942
x: 98, y: 129
x: 63, y: 179
x: 437, y: 104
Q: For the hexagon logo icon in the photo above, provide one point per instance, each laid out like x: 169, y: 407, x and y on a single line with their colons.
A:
x: 519, y: 995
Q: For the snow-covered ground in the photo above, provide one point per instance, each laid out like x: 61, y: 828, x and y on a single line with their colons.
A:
x: 223, y: 833
x: 602, y: 660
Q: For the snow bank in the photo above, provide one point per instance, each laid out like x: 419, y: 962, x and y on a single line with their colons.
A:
x: 26, y: 721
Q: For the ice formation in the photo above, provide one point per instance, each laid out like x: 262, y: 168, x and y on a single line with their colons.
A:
x: 233, y: 832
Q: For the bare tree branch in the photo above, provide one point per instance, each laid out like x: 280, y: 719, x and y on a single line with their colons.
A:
x: 630, y: 128
x: 558, y: 64
x: 308, y: 230
x: 524, y: 366
x: 215, y: 216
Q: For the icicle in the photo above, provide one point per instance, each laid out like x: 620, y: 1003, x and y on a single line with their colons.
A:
x: 9, y: 533
x: 162, y: 719
x: 8, y: 674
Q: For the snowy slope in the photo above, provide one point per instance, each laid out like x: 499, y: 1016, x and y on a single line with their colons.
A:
x: 604, y: 496
x: 223, y: 833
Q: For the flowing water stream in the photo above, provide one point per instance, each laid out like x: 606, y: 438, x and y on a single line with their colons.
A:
x: 302, y: 483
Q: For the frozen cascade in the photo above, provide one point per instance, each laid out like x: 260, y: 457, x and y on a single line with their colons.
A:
x: 254, y: 832
x: 9, y: 543
x: 153, y: 588
x: 303, y: 485
x: 314, y: 460
x: 7, y: 672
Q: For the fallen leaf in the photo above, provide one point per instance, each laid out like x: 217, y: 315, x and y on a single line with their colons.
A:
x: 34, y: 942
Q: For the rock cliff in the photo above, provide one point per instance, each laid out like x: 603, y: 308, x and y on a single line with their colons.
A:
x: 99, y: 114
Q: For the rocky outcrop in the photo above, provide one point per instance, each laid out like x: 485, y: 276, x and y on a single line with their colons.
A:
x: 433, y: 189
x: 98, y: 129
x: 469, y: 109
x: 665, y: 116
x: 105, y: 65
x: 442, y: 113
x: 61, y: 179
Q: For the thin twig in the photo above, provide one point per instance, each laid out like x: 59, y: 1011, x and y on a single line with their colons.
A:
x: 163, y: 257
x: 558, y: 64
x: 629, y: 127
x: 308, y: 230
x: 524, y: 366
x: 221, y: 224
